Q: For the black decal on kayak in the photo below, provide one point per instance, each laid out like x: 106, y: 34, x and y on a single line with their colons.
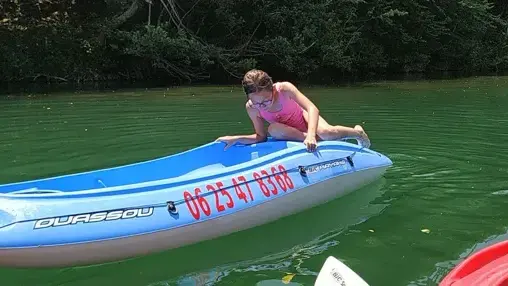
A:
x: 338, y: 278
x: 324, y: 166
x: 93, y: 217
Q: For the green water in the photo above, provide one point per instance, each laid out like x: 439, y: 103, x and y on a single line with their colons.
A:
x: 447, y: 139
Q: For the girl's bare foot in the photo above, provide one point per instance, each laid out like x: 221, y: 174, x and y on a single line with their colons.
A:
x: 365, y: 141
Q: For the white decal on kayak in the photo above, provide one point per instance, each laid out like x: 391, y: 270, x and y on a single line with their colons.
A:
x: 93, y: 217
x: 325, y: 166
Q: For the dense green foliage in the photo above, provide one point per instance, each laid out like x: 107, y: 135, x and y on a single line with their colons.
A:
x: 76, y: 40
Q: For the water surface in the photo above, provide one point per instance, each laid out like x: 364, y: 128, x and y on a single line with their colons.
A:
x: 447, y: 140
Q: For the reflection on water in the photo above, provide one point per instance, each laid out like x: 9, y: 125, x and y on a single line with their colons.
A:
x: 333, y: 218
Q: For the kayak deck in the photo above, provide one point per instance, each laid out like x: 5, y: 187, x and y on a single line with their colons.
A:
x: 202, y: 161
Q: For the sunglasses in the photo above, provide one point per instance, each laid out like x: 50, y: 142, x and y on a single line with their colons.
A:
x: 248, y: 89
x: 263, y: 103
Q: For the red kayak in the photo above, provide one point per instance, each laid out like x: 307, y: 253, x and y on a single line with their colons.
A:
x: 489, y: 266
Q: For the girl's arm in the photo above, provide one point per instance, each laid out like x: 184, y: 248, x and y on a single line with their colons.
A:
x: 259, y: 135
x: 306, y: 104
x: 259, y: 127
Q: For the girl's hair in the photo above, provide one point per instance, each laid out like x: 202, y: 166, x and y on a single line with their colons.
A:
x: 256, y: 80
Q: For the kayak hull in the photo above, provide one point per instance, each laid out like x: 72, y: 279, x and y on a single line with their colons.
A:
x: 488, y: 266
x: 58, y: 229
x: 115, y: 249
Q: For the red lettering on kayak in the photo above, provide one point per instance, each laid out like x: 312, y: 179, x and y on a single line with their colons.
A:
x: 193, y: 209
x: 224, y: 193
x: 203, y: 203
x: 244, y: 181
x: 269, y: 183
x: 284, y: 182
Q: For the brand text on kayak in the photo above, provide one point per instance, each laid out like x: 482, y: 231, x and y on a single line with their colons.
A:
x: 338, y: 278
x: 325, y: 166
x: 93, y: 217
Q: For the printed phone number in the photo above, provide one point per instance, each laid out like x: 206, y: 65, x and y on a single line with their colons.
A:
x: 270, y: 184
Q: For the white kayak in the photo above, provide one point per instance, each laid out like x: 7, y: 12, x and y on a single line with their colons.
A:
x: 334, y: 272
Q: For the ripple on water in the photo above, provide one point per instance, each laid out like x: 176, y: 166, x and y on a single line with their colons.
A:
x: 450, y: 168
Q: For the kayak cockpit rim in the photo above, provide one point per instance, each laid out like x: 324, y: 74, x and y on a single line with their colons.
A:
x: 292, y: 149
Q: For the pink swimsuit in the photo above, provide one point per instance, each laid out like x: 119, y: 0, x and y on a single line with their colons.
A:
x: 291, y: 113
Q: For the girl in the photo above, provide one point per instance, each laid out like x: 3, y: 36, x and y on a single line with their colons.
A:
x: 292, y: 116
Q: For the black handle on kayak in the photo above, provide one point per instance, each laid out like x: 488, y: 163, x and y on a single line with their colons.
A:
x: 172, y: 207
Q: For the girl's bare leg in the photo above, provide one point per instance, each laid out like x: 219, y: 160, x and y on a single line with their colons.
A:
x: 281, y: 131
x: 337, y: 132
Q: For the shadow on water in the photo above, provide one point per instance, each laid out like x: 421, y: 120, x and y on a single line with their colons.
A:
x: 274, y: 246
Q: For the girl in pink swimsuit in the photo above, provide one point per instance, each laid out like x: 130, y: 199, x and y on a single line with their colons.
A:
x: 291, y: 115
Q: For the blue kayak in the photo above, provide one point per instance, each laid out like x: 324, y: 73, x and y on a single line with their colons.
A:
x: 200, y: 194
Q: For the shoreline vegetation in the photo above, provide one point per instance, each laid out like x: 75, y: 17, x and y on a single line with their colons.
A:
x: 205, y: 89
x: 156, y: 43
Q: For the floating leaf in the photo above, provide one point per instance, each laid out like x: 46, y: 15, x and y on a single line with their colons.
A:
x: 286, y: 279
